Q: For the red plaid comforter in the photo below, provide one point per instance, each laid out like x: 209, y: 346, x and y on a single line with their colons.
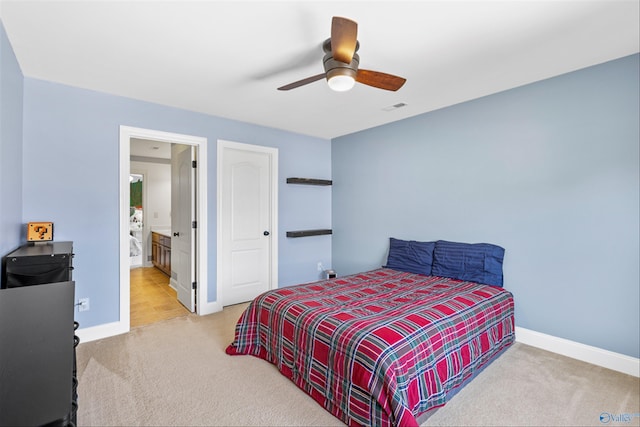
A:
x: 381, y: 347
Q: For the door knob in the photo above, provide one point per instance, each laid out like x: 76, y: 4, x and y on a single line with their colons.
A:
x: 266, y: 233
x: 176, y: 234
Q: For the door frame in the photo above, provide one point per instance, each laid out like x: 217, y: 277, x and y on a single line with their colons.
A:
x: 273, y: 247
x: 126, y: 133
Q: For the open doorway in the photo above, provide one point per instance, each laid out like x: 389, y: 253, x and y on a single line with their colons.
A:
x: 198, y: 187
x: 153, y: 293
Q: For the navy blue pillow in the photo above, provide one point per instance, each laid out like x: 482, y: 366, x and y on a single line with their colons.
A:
x: 474, y: 262
x: 410, y: 256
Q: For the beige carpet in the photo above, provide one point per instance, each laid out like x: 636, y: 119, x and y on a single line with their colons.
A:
x: 176, y: 373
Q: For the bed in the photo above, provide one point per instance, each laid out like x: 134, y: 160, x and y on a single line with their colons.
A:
x: 387, y: 346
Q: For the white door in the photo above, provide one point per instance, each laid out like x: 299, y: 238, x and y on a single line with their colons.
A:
x: 182, y: 216
x: 246, y: 224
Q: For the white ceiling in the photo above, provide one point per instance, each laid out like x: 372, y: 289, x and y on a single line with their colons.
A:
x: 227, y: 58
x: 143, y: 149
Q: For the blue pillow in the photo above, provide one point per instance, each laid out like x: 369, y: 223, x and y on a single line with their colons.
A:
x: 474, y: 262
x: 410, y: 256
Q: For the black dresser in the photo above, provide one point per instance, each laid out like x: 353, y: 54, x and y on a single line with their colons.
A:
x: 38, y: 384
x: 37, y: 263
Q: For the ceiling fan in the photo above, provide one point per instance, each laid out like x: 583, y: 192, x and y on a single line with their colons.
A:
x: 341, y: 62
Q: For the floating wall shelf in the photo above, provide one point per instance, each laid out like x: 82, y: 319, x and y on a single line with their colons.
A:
x: 309, y: 181
x: 305, y: 233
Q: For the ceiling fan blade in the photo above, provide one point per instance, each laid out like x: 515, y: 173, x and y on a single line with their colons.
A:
x: 344, y: 36
x: 380, y: 80
x: 302, y: 82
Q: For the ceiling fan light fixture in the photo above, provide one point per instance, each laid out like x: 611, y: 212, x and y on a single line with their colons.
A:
x: 341, y: 83
x: 341, y: 79
x: 341, y: 62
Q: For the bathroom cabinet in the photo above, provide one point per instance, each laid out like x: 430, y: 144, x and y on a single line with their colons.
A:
x: 161, y: 252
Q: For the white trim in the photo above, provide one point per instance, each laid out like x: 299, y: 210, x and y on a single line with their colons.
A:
x: 273, y: 156
x: 594, y: 355
x: 101, y: 331
x: 126, y: 133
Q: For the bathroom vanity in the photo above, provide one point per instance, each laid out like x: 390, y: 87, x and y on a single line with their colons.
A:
x: 161, y: 251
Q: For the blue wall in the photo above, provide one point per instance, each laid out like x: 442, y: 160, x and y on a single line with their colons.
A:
x: 10, y: 147
x: 549, y: 171
x: 71, y: 141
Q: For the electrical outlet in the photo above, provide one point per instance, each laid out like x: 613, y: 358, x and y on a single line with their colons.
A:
x: 83, y: 304
x: 320, y: 267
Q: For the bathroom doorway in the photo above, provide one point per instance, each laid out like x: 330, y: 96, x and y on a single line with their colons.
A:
x: 154, y: 216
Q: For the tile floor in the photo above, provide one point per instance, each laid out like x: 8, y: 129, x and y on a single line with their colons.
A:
x: 152, y: 299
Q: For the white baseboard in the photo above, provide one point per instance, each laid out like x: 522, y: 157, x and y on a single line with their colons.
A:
x: 101, y: 331
x: 116, y: 328
x: 586, y: 353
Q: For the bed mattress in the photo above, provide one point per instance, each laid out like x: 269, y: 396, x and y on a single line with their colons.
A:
x: 382, y: 347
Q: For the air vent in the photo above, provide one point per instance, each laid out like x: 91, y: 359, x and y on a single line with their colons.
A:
x: 395, y: 106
